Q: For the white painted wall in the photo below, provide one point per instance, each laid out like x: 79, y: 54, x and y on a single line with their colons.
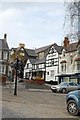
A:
x: 27, y: 69
x: 70, y: 67
x: 49, y: 76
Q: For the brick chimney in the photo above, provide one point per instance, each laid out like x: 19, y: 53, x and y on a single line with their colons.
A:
x: 5, y: 37
x: 21, y: 45
x: 66, y: 41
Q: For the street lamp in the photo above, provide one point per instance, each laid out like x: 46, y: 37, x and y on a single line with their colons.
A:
x: 15, y: 89
x: 18, y: 56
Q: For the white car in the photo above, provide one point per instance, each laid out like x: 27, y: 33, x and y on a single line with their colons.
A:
x: 65, y: 87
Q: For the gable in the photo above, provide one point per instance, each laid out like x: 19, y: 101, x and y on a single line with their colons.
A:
x: 52, y: 50
x: 28, y: 62
x: 4, y: 44
x: 52, y: 53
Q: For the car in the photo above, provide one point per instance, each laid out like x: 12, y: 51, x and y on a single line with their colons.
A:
x: 65, y: 87
x: 73, y: 102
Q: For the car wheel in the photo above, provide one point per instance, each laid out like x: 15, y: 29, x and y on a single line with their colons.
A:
x: 53, y: 90
x: 72, y: 107
x: 63, y: 90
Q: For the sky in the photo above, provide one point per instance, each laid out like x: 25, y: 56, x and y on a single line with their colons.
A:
x: 34, y: 24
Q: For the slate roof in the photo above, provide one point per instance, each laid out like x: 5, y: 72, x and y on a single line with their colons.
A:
x: 42, y: 48
x: 32, y: 61
x: 3, y: 44
x: 58, y: 48
x: 38, y: 61
x: 31, y: 52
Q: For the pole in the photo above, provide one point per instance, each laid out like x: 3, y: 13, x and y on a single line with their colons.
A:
x: 15, y: 89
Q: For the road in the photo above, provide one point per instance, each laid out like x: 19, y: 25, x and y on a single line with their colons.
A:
x: 34, y: 104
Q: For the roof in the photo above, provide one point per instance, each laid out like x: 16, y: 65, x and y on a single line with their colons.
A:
x: 40, y: 61
x: 42, y: 48
x: 4, y: 44
x: 71, y: 47
x: 31, y: 52
x: 32, y: 61
x: 58, y: 48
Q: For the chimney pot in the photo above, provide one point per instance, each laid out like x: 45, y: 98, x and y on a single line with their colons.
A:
x: 5, y: 36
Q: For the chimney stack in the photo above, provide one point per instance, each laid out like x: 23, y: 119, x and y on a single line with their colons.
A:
x: 66, y: 41
x: 21, y: 45
x: 5, y: 37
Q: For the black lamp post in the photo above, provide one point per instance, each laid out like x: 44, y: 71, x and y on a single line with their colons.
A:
x: 15, y: 89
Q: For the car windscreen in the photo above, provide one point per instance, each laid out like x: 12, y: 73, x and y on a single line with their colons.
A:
x: 63, y: 84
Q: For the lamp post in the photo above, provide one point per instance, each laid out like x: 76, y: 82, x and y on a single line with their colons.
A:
x: 15, y: 89
x: 16, y: 55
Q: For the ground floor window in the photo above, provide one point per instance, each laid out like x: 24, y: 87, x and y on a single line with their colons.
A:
x: 52, y: 73
x: 69, y: 79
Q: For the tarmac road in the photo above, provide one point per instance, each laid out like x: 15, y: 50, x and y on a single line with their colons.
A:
x: 34, y: 104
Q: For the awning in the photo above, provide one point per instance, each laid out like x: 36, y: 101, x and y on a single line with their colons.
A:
x: 63, y: 61
x: 64, y: 75
x: 77, y: 75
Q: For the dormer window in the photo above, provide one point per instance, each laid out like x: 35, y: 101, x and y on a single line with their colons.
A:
x: 63, y: 52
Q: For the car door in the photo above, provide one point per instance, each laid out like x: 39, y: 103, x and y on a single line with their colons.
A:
x: 72, y: 86
x: 79, y: 99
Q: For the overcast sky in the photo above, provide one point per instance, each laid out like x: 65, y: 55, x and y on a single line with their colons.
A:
x: 35, y: 24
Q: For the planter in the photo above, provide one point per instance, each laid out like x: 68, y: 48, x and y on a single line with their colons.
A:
x: 37, y: 81
x: 3, y: 79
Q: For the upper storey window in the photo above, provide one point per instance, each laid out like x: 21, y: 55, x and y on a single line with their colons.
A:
x: 41, y: 55
x: 0, y: 54
x: 5, y: 54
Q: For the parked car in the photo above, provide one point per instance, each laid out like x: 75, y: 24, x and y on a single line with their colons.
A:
x: 73, y: 102
x: 65, y: 87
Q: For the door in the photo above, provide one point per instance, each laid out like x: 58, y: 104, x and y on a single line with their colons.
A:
x: 72, y: 86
